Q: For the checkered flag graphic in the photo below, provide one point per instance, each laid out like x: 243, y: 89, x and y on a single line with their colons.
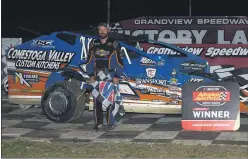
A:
x: 223, y: 96
x: 115, y: 27
x: 108, y: 94
x: 229, y: 73
x: 7, y: 43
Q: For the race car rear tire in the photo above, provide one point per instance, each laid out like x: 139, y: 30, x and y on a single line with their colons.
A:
x: 64, y: 101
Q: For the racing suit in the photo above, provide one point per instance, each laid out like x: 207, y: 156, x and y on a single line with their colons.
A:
x: 104, y: 56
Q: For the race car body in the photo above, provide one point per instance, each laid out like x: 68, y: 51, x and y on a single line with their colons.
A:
x: 150, y: 83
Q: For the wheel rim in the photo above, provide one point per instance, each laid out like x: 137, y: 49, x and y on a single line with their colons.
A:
x: 6, y: 86
x: 58, y: 103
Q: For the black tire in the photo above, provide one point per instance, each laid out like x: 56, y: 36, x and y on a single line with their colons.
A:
x: 63, y: 102
x: 5, y: 86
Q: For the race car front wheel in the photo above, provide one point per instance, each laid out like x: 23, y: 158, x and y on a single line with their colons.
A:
x: 63, y: 101
x: 5, y: 85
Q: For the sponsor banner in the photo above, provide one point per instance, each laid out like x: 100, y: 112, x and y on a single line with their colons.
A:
x: 210, y: 106
x: 221, y: 40
x: 187, y: 30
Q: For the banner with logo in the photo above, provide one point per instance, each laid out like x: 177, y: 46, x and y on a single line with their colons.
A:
x: 221, y: 40
x: 211, y: 106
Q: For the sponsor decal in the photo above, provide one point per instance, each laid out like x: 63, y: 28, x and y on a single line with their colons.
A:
x: 147, y: 62
x: 48, y: 60
x: 174, y: 96
x: 151, y: 90
x: 157, y: 100
x: 26, y: 78
x: 151, y: 72
x: 167, y: 51
x: 174, y: 88
x: 36, y: 91
x: 151, y: 81
x: 144, y: 91
x: 24, y: 90
x: 174, y: 102
x: 43, y: 43
x: 174, y: 72
x: 161, y: 63
x: 14, y: 90
x: 210, y: 52
x: 173, y: 81
x: 193, y: 66
x: 156, y: 91
x: 196, y: 80
x: 125, y: 89
x: 211, y: 95
x: 102, y: 53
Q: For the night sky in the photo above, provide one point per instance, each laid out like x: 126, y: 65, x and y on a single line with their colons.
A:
x: 46, y: 16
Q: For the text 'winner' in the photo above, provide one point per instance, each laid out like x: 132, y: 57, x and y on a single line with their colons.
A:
x: 49, y: 60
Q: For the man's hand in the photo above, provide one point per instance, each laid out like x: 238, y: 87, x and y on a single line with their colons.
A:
x: 92, y: 79
x: 115, y: 80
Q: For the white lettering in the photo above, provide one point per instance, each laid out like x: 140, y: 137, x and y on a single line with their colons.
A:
x: 166, y: 35
x: 199, y: 35
x: 221, y: 37
x: 184, y: 35
x: 239, y: 37
x: 167, y: 51
x: 211, y: 114
x: 60, y: 56
x: 213, y: 52
x: 162, y: 21
x: 38, y: 59
x: 225, y: 21
x: 151, y: 33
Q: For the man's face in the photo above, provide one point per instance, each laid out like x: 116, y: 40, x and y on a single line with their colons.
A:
x: 103, y: 32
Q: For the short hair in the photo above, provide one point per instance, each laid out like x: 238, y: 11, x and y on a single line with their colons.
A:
x: 104, y: 24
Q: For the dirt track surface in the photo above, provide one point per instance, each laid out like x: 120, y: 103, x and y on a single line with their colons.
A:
x: 145, y: 128
x: 42, y: 149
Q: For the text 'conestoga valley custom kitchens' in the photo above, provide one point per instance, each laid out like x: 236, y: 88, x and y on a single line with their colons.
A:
x: 48, y: 60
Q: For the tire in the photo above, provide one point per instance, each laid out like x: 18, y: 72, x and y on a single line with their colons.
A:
x: 5, y: 85
x: 63, y: 102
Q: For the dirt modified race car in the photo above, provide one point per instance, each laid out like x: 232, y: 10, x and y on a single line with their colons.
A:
x: 51, y: 70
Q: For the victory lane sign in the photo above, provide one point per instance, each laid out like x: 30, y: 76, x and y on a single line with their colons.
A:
x: 211, y: 106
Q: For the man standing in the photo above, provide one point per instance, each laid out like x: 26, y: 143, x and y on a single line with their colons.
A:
x: 104, y: 54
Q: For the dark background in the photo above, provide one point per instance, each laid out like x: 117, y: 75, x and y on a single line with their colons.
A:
x: 46, y: 16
